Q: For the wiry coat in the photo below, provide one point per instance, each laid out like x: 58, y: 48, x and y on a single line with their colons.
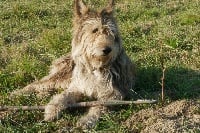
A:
x: 97, y: 66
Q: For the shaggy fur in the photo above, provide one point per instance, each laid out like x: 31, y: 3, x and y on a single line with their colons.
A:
x: 97, y: 66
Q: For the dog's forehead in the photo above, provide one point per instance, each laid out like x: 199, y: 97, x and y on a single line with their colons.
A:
x: 95, y: 15
x: 97, y: 19
x: 93, y: 21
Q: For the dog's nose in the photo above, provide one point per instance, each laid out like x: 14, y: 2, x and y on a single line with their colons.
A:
x: 107, y: 50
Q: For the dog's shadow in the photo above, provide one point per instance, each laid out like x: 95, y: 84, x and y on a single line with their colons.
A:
x: 179, y: 83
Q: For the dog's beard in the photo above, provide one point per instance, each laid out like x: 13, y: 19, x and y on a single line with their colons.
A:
x: 101, y: 61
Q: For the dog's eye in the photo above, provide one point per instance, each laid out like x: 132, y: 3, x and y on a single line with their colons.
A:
x: 95, y: 30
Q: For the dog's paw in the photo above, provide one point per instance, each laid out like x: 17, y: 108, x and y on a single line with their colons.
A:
x: 26, y: 91
x: 16, y: 93
x: 51, y: 112
x: 87, y: 122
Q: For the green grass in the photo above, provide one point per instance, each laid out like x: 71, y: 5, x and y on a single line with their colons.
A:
x: 33, y: 33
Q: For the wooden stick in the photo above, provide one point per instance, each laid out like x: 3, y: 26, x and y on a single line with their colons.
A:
x: 163, y: 83
x: 80, y: 104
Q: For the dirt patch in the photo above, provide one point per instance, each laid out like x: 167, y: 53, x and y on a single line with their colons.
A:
x: 179, y: 116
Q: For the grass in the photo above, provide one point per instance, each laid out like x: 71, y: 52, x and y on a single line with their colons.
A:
x: 33, y: 33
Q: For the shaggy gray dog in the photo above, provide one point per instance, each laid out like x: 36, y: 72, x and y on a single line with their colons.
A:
x: 97, y: 66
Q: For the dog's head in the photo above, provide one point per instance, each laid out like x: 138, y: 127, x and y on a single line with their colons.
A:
x: 96, y: 40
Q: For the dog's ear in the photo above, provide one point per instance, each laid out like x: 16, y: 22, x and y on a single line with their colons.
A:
x: 80, y: 8
x: 109, y: 9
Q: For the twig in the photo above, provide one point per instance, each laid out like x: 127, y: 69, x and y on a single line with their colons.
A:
x: 163, y: 83
x: 163, y: 76
x: 80, y: 104
x: 162, y: 62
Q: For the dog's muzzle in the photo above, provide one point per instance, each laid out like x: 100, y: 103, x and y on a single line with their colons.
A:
x: 107, y: 50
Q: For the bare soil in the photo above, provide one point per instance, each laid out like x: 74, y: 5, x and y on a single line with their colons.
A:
x: 177, y: 117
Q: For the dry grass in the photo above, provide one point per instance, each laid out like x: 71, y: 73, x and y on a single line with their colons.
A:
x: 33, y: 33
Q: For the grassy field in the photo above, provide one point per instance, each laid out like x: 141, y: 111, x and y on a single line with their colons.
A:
x: 155, y: 33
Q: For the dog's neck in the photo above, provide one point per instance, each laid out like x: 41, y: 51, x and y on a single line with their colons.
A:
x: 105, y: 74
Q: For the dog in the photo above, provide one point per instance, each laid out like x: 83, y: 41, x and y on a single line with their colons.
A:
x: 97, y: 66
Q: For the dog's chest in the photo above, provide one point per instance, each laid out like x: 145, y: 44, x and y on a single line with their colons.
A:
x: 92, y: 84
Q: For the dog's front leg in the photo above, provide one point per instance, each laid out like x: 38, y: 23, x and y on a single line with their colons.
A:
x: 59, y: 102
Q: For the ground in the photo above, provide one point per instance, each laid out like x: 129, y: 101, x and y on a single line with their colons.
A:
x: 155, y: 34
x: 179, y: 116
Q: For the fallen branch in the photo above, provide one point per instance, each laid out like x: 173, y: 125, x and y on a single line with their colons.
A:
x: 80, y: 104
